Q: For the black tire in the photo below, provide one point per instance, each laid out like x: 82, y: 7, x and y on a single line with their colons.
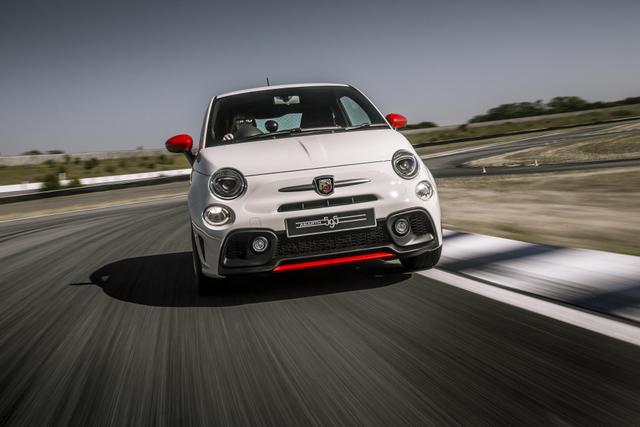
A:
x: 205, y: 284
x: 424, y: 261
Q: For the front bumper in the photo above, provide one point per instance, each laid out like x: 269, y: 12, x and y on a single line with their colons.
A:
x: 234, y: 255
x: 263, y: 207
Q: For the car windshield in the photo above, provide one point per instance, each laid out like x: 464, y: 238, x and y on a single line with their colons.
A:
x: 278, y: 113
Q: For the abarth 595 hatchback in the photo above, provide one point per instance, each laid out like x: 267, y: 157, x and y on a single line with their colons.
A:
x: 301, y: 176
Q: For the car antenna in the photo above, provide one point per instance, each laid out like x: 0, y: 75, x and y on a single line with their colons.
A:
x: 268, y: 82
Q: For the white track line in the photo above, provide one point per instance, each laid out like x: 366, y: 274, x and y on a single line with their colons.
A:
x: 602, y: 325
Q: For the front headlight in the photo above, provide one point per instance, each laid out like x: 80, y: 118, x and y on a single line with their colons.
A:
x: 405, y: 164
x: 227, y: 184
x: 217, y: 215
x: 424, y: 190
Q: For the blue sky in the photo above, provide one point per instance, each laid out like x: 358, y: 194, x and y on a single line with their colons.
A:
x: 85, y: 76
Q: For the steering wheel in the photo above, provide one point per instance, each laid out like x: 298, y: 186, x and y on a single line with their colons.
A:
x: 247, y: 130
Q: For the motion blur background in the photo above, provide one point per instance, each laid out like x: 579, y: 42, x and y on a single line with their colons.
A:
x: 527, y: 114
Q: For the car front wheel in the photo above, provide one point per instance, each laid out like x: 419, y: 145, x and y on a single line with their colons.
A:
x: 423, y: 261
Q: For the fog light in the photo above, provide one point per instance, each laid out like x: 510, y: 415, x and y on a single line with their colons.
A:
x: 217, y: 215
x: 401, y: 226
x: 424, y: 190
x: 259, y: 244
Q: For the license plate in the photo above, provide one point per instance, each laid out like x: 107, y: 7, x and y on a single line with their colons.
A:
x: 329, y: 223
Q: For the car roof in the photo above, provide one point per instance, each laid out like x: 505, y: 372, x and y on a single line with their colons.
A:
x: 258, y: 89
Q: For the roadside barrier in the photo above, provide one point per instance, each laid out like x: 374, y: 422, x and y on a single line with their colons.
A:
x: 93, y: 184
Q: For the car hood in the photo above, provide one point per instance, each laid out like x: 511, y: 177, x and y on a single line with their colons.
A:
x: 303, y: 152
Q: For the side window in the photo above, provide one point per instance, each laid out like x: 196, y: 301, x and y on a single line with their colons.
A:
x: 355, y: 113
x: 288, y: 121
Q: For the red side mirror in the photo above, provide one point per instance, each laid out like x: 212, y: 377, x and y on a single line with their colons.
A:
x: 397, y: 121
x: 179, y: 143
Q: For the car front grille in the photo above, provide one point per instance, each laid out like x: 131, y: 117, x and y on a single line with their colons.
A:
x: 326, y: 203
x: 329, y: 242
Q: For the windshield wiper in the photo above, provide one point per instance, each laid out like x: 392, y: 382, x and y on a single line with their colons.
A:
x: 364, y: 125
x: 291, y: 132
x: 272, y: 134
x: 298, y: 130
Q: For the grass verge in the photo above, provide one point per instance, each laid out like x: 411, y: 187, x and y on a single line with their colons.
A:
x: 594, y: 148
x: 468, y: 131
x: 595, y: 209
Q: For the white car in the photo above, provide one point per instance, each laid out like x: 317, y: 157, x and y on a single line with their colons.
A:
x: 300, y: 176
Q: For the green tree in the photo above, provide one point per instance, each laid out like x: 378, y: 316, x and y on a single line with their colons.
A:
x: 563, y: 104
x: 511, y: 111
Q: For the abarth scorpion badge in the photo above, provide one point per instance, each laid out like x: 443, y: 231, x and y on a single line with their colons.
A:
x: 324, y: 185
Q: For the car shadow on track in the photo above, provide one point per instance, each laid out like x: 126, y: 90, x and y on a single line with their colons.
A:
x: 167, y: 281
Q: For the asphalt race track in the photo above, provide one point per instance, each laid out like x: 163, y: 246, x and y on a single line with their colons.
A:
x: 100, y: 324
x: 451, y: 164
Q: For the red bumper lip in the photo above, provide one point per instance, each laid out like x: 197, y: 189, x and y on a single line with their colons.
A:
x: 334, y: 261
